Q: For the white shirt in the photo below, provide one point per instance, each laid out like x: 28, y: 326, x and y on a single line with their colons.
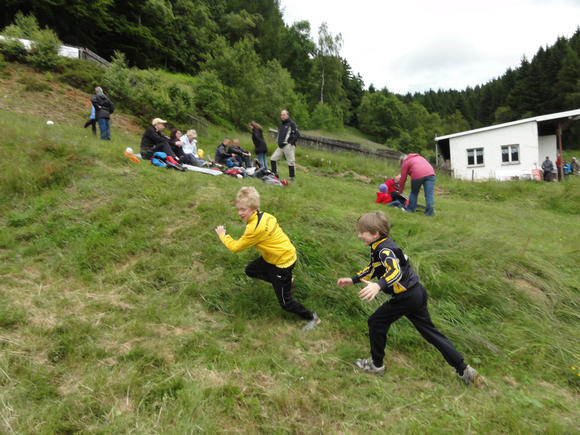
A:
x: 189, y: 147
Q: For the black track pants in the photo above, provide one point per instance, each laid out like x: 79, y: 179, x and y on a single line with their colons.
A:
x: 281, y: 280
x: 413, y: 305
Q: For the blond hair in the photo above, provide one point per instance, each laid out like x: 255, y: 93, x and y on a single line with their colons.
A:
x: 249, y: 197
x: 375, y: 222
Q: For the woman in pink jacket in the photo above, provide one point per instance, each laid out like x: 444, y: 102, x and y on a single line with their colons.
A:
x: 422, y: 174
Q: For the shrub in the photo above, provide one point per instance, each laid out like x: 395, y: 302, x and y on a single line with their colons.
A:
x: 208, y: 95
x: 326, y: 117
x: 44, y: 52
x: 81, y: 74
x: 13, y: 50
x: 32, y: 84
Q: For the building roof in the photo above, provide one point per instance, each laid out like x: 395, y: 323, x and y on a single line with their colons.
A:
x: 569, y: 115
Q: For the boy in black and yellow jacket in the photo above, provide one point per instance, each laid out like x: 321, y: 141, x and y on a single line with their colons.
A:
x: 278, y: 255
x: 409, y: 298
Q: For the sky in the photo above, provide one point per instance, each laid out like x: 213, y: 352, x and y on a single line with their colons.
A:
x: 417, y: 45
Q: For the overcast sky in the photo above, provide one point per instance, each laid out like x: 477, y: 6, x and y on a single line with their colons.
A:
x: 417, y: 45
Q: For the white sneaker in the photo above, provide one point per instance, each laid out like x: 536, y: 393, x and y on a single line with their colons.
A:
x: 367, y: 366
x: 311, y: 324
x: 470, y: 375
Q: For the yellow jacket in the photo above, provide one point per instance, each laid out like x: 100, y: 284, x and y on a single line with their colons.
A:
x: 263, y: 232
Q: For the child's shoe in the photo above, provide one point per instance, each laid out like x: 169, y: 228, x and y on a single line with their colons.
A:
x: 470, y: 375
x: 311, y: 324
x: 367, y: 366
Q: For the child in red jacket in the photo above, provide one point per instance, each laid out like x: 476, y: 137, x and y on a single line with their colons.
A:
x: 388, y: 194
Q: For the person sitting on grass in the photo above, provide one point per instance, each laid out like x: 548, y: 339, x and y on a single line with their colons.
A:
x: 153, y: 141
x: 175, y: 143
x: 409, y: 298
x: 241, y: 154
x: 189, y: 147
x: 222, y: 153
x: 278, y: 255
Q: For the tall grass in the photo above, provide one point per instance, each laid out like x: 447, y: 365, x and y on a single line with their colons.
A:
x: 122, y: 312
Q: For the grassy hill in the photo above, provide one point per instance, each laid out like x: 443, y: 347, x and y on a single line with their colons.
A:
x: 122, y: 312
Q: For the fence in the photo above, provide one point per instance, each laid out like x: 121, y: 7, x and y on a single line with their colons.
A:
x: 86, y: 54
x: 336, y: 145
x: 200, y: 124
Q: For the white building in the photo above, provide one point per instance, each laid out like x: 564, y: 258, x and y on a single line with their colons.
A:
x: 504, y: 151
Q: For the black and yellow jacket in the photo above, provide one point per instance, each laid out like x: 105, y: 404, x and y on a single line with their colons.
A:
x: 391, y: 266
x: 263, y: 232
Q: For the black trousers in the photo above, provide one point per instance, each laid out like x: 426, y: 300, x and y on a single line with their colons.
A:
x: 413, y: 305
x: 163, y: 147
x: 281, y: 280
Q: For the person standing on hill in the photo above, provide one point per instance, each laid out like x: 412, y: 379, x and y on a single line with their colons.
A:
x: 103, y: 110
x: 288, y: 134
x: 259, y: 143
x: 547, y: 167
x: 422, y: 174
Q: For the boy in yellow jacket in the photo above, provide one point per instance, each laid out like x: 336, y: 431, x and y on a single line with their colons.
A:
x: 278, y: 255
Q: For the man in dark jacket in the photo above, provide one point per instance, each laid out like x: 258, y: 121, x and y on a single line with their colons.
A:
x: 153, y: 140
x: 103, y: 110
x: 287, y: 136
x: 222, y: 153
x: 547, y: 167
x: 241, y: 154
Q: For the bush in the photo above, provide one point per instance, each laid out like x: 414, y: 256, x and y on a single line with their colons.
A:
x: 326, y: 117
x: 208, y: 95
x: 13, y: 50
x: 44, y: 52
x: 81, y: 74
x: 32, y: 84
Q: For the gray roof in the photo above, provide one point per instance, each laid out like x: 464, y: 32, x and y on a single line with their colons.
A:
x: 569, y: 115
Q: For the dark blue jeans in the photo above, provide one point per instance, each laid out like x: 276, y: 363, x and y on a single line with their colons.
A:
x: 105, y: 128
x: 428, y: 184
x: 262, y: 159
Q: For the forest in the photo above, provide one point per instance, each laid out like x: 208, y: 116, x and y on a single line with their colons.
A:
x: 239, y: 61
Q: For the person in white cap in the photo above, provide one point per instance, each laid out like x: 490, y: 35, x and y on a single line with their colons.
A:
x: 154, y: 140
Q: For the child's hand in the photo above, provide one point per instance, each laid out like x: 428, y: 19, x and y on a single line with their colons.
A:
x: 344, y: 282
x: 370, y: 291
x: 220, y: 230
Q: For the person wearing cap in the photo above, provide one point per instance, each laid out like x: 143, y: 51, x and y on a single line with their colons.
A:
x: 154, y: 140
x: 189, y: 148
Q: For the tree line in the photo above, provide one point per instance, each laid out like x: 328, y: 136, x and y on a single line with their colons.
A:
x: 245, y: 63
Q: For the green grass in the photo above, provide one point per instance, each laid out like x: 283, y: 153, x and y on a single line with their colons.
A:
x: 122, y: 312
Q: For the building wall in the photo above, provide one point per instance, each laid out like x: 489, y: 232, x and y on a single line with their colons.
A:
x: 525, y: 135
x: 548, y: 146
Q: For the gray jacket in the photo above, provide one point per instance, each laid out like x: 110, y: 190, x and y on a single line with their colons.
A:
x: 547, y: 165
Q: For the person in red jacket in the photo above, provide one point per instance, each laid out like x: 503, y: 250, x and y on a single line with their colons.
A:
x: 422, y: 174
x: 388, y: 194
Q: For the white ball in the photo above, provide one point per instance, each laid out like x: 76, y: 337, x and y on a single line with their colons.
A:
x: 49, y: 122
x: 129, y: 150
x: 240, y: 176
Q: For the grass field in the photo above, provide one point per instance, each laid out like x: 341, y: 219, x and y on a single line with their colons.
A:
x: 122, y: 312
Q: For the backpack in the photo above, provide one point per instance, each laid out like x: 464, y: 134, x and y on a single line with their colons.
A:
x: 160, y: 159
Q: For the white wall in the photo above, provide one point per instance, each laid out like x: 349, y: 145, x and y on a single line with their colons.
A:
x: 525, y: 135
x: 64, y: 50
x: 548, y: 146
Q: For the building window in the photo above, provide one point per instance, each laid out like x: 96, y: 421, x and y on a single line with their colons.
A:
x: 510, y: 154
x: 475, y: 157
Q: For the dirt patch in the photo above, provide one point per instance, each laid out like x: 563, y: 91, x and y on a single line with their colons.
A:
x: 356, y: 176
x: 439, y: 191
x: 57, y: 104
x: 532, y: 292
